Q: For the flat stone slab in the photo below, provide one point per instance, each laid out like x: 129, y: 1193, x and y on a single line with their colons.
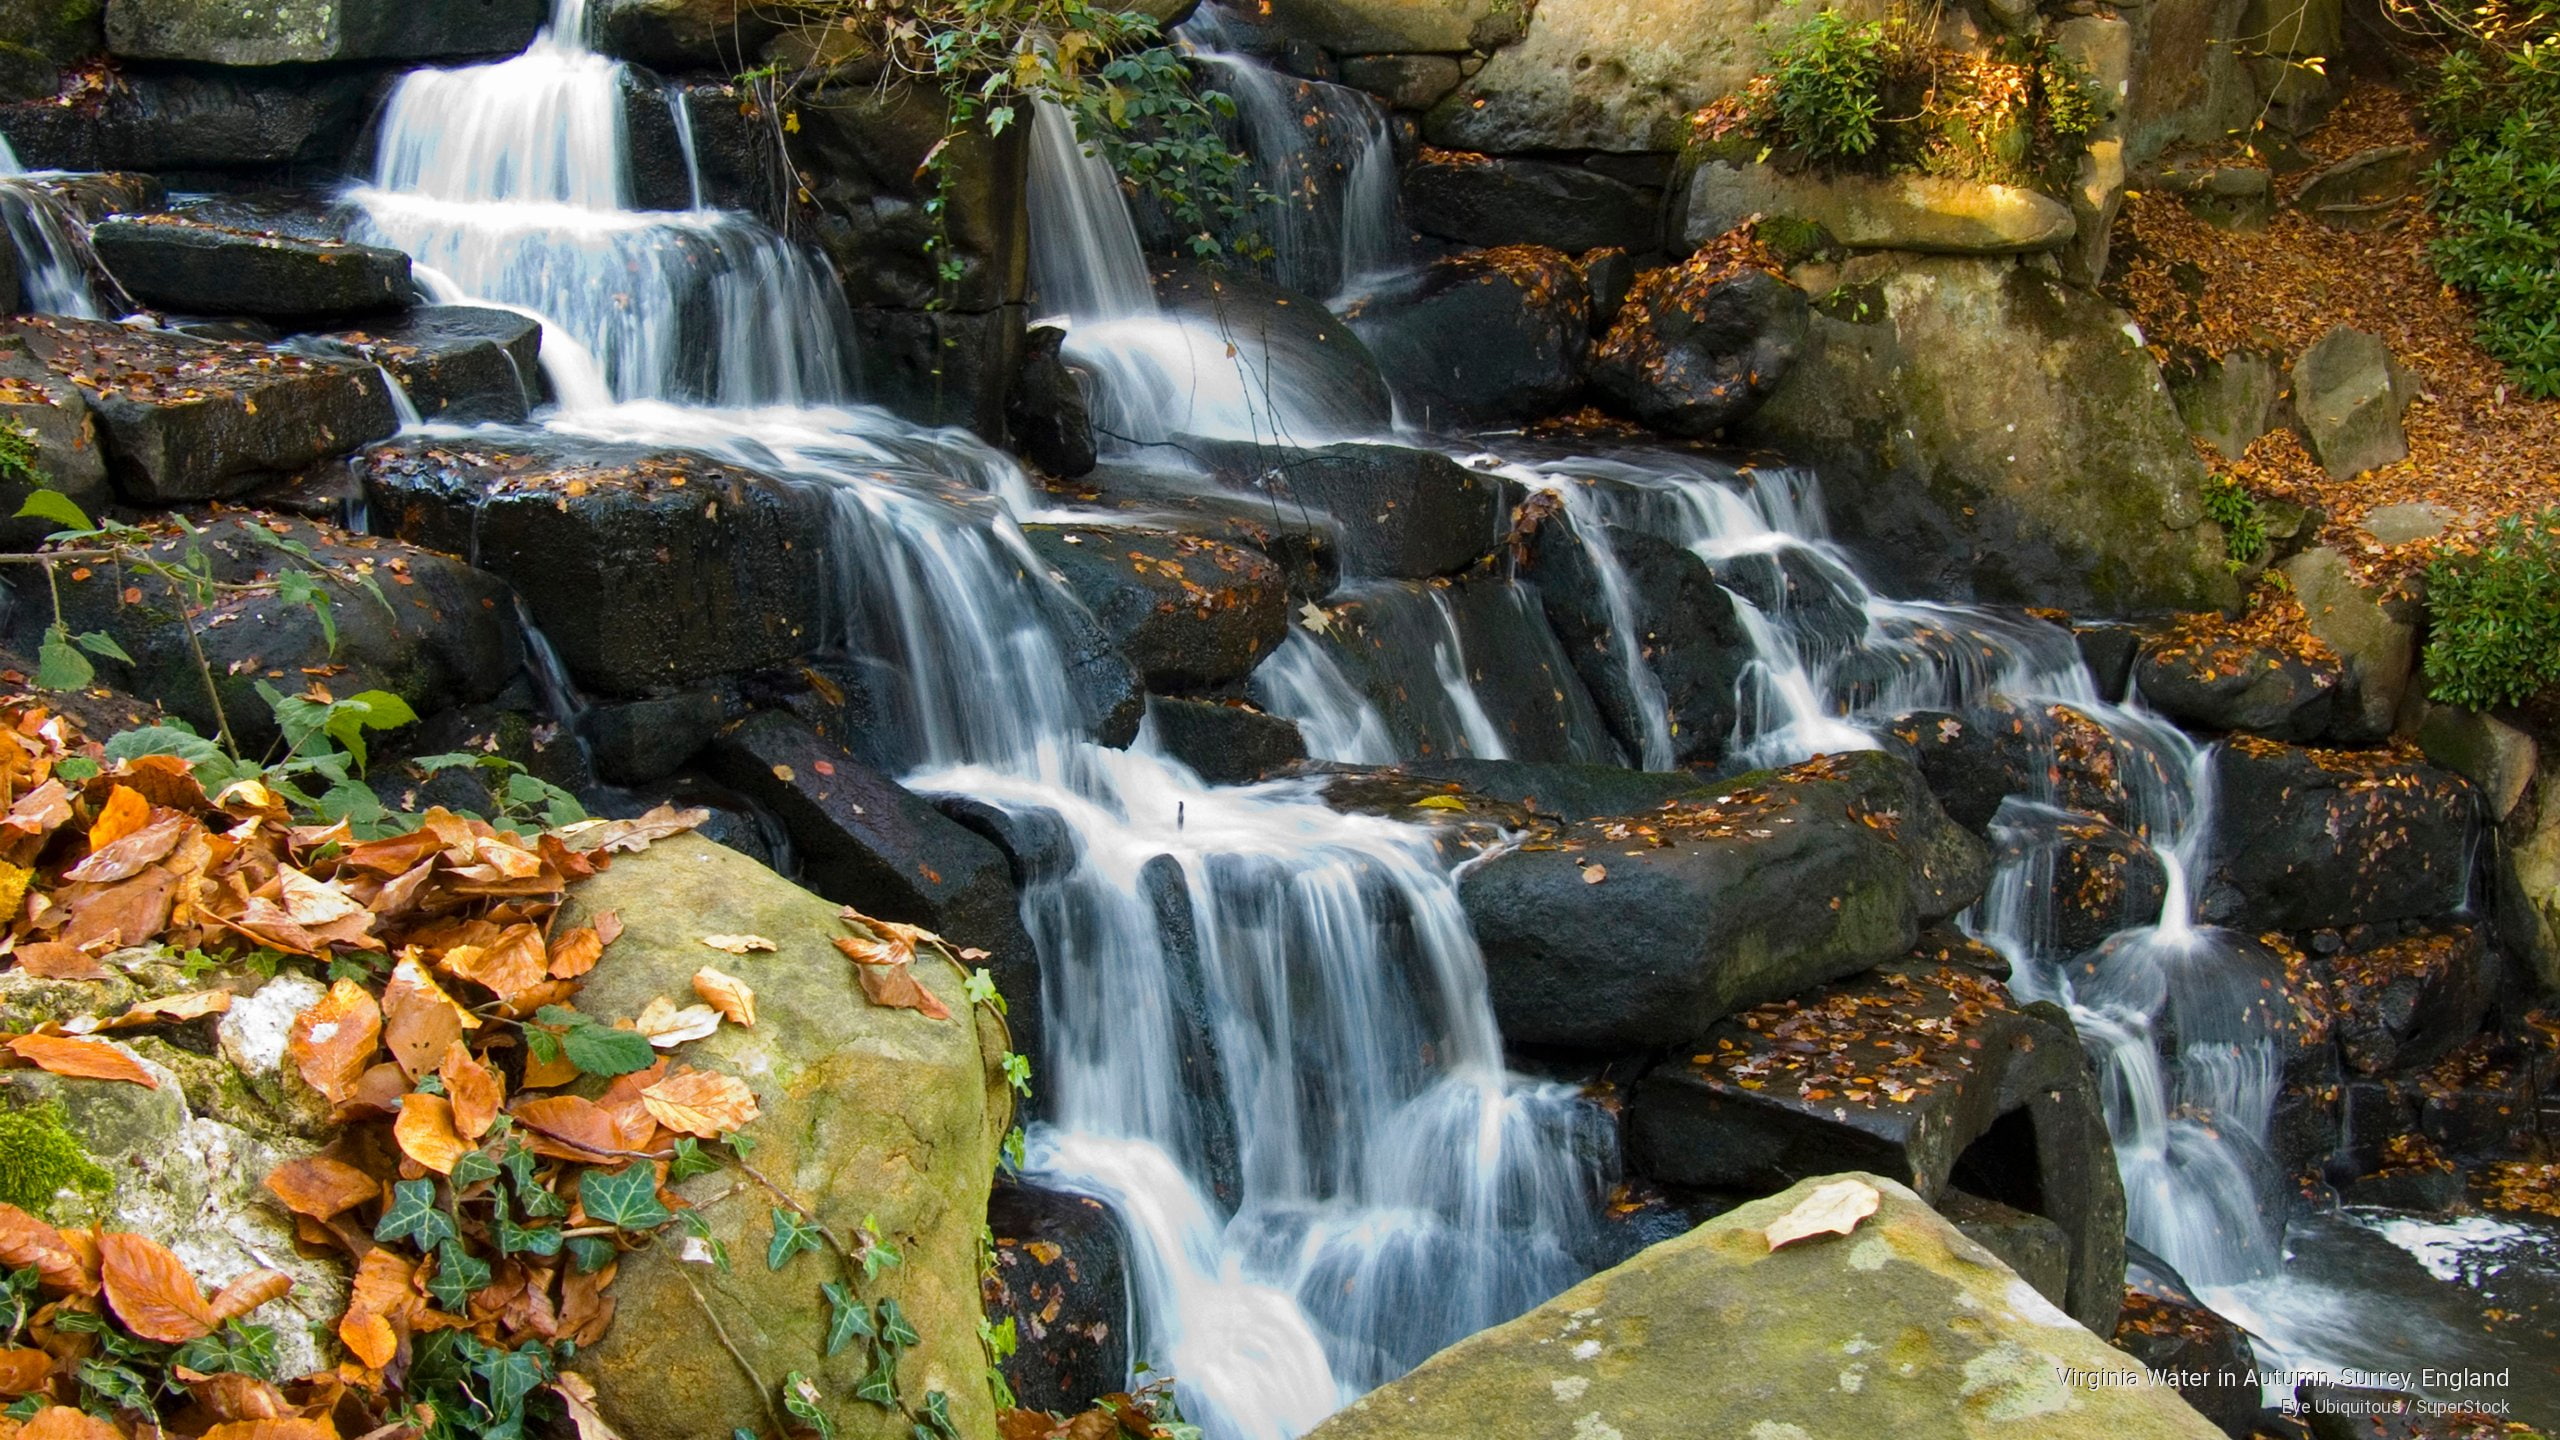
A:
x: 1881, y: 212
x: 201, y: 269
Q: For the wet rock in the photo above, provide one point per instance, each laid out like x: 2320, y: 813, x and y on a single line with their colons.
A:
x: 1478, y: 200
x: 1975, y: 762
x: 2311, y: 838
x: 2232, y: 683
x: 1778, y: 881
x: 2496, y: 757
x: 1699, y: 346
x: 1595, y: 74
x: 2177, y: 1336
x: 2527, y: 881
x: 2230, y: 402
x: 60, y: 30
x: 1925, y: 213
x: 187, y: 419
x: 1321, y: 353
x: 2480, y: 1100
x: 2399, y: 1004
x: 2352, y: 1412
x: 643, y: 740
x: 940, y: 367
x: 1565, y: 792
x: 2109, y: 652
x: 1493, y: 335
x: 458, y: 364
x: 2375, y: 637
x: 716, y: 35
x: 219, y: 32
x: 1047, y: 414
x: 1306, y: 544
x: 2348, y: 393
x: 1611, y: 274
x: 201, y: 119
x: 216, y: 270
x: 2097, y: 879
x: 863, y: 144
x: 2070, y: 482
x: 2026, y: 1242
x: 1405, y: 513
x: 599, y: 540
x: 2366, y: 191
x: 1405, y: 82
x: 440, y: 634
x: 1190, y: 613
x: 1372, y: 26
x: 1684, y: 623
x: 1647, y: 1348
x: 869, y: 1114
x: 1225, y: 742
x: 1885, y: 1071
x: 48, y: 410
x: 1060, y: 1278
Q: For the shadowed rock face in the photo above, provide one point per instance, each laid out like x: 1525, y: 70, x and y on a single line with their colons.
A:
x: 1902, y: 1327
x: 2329, y: 837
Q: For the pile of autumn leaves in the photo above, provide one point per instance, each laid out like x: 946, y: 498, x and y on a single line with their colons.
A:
x: 468, y: 1192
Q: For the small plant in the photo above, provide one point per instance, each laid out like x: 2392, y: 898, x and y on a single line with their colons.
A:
x: 1826, y: 85
x: 2495, y: 617
x: 2244, y: 526
x: 2497, y: 101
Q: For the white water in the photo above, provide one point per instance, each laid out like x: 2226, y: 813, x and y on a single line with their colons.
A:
x: 51, y: 242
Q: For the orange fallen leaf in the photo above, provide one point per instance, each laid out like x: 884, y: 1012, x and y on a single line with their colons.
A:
x: 426, y: 1134
x: 701, y: 1103
x: 570, y: 1127
x: 576, y: 953
x: 578, y: 1396
x: 129, y: 855
x: 513, y: 964
x: 727, y: 994
x: 321, y: 1187
x: 475, y: 1090
x: 125, y: 812
x: 332, y: 1042
x: 297, y: 1427
x: 419, y: 1020
x: 229, y: 1395
x: 53, y: 960
x: 151, y: 1291
x: 88, y: 1059
x: 381, y: 1297
x: 172, y: 1009
x: 248, y: 1293
x: 61, y: 1422
x: 1832, y: 1209
x: 891, y: 981
x: 22, y: 1370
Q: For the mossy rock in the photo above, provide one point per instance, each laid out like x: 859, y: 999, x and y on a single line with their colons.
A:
x: 60, y: 30
x: 40, y: 1158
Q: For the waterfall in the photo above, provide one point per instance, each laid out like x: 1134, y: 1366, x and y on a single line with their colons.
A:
x: 51, y: 242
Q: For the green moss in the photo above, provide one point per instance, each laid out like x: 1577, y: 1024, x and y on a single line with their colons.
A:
x: 1793, y: 239
x: 40, y: 1158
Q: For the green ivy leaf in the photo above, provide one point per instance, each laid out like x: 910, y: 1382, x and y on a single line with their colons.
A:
x: 589, y: 1253
x: 791, y: 1235
x: 515, y: 1239
x: 412, y: 1216
x: 802, y: 1399
x: 626, y: 1199
x: 879, y: 1384
x: 689, y: 1161
x: 458, y: 1273
x: 120, y: 1387
x: 894, y: 1329
x: 848, y: 1319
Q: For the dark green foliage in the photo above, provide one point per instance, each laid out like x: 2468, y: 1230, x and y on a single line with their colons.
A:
x: 1827, y: 85
x: 2498, y: 191
x: 2244, y: 529
x: 2495, y: 617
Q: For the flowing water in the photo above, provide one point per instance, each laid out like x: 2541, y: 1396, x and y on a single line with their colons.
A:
x: 1269, y: 1045
x: 51, y: 243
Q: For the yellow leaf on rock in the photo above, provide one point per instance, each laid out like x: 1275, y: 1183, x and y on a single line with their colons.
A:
x: 738, y: 944
x: 1832, y: 1209
x: 727, y: 994
x: 701, y: 1104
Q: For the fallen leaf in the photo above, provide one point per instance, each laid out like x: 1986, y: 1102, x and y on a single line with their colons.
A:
x: 474, y: 1088
x: 667, y: 1027
x: 321, y: 1187
x: 88, y: 1059
x: 61, y: 1422
x: 312, y: 902
x: 22, y: 1370
x: 1594, y: 874
x: 570, y: 1127
x: 381, y: 1297
x: 609, y: 926
x: 28, y: 1243
x: 248, y: 1293
x: 727, y: 994
x: 513, y: 964
x: 576, y: 953
x: 419, y: 1020
x: 127, y: 857
x: 297, y: 1427
x: 1832, y: 1209
x: 891, y: 981
x: 125, y: 812
x: 632, y: 836
x: 579, y: 1398
x: 701, y: 1103
x: 151, y: 1291
x: 332, y: 1042
x: 426, y: 1134
x: 739, y: 944
x: 229, y: 1395
x: 53, y: 960
x: 171, y: 1010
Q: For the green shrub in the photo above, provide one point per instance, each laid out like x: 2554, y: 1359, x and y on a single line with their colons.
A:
x: 1826, y: 85
x: 2498, y: 191
x: 2495, y: 617
x: 2244, y: 529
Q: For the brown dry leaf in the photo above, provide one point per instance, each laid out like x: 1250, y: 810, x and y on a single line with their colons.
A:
x: 41, y: 811
x: 426, y: 1134
x: 22, y: 1370
x: 332, y: 1042
x: 892, y: 982
x: 125, y: 812
x: 314, y: 903
x: 419, y: 1020
x: 61, y: 1422
x: 321, y: 1187
x: 126, y: 912
x: 229, y: 1395
x: 738, y: 944
x: 579, y: 1397
x: 509, y: 966
x: 1832, y: 1209
x: 585, y: 1310
x: 576, y: 953
x: 570, y: 1127
x: 172, y: 1009
x: 248, y: 1293
x: 609, y: 926
x: 701, y: 1104
x: 632, y: 836
x: 541, y: 1074
x: 381, y: 1298
x: 128, y: 857
x: 89, y: 1059
x: 474, y: 1088
x: 1594, y: 874
x: 26, y: 1241
x: 300, y: 1427
x: 667, y: 1027
x: 53, y: 960
x: 727, y: 994
x: 151, y: 1291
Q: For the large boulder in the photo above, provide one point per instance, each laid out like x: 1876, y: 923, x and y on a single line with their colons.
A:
x: 1359, y: 27
x: 2207, y: 1358
x: 1991, y: 431
x: 1614, y: 75
x: 1648, y: 928
x: 2216, y: 680
x: 458, y: 364
x: 873, y: 1117
x: 2091, y: 879
x: 188, y: 419
x: 202, y: 119
x: 47, y: 409
x: 1929, y: 213
x: 1478, y: 200
x: 1901, y: 1327
x: 1318, y: 352
x: 1191, y: 613
x: 1699, y: 345
x: 1403, y: 512
x: 2310, y: 838
x: 1059, y: 1275
x: 2404, y: 1003
x: 201, y: 269
x: 1225, y: 742
x: 301, y: 32
x: 715, y: 35
x: 437, y: 633
x: 2373, y: 633
x: 1492, y: 335
x: 645, y: 569
x: 1927, y: 1072
x: 2528, y: 881
x: 2348, y: 393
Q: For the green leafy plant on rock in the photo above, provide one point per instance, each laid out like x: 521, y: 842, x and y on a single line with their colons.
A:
x: 2494, y: 617
x: 2244, y: 525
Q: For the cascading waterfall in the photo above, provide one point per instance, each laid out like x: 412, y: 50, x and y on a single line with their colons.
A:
x: 51, y: 243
